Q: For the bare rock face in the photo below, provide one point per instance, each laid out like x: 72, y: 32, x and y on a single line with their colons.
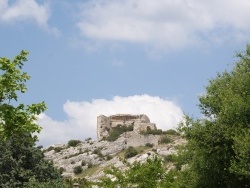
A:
x: 105, y: 124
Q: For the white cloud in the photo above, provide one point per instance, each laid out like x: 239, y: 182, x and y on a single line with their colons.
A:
x: 81, y: 121
x: 26, y: 10
x: 165, y: 23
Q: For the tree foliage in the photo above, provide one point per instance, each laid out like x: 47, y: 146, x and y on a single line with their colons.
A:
x: 53, y: 183
x: 142, y: 175
x: 20, y: 118
x: 20, y: 160
x: 218, y: 148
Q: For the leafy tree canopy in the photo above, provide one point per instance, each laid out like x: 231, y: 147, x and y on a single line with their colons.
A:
x: 217, y: 152
x: 20, y: 160
x: 18, y: 119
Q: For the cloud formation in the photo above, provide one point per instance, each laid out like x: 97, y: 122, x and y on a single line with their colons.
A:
x: 26, y: 10
x: 167, y: 23
x: 81, y: 121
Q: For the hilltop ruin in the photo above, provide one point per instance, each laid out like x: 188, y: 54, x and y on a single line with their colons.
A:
x: 139, y: 122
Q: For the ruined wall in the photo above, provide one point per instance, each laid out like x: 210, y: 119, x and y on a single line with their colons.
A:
x: 134, y: 139
x: 105, y: 124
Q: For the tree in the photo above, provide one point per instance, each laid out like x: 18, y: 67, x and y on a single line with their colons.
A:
x: 142, y: 175
x: 217, y: 152
x: 20, y: 160
x: 16, y: 120
x: 54, y: 183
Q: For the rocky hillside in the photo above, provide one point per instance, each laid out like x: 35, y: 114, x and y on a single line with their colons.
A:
x: 89, y: 158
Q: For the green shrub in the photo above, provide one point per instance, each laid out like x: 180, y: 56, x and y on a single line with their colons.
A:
x: 88, y: 139
x: 58, y: 149
x: 165, y: 140
x: 171, y: 132
x: 90, y: 165
x: 61, y: 170
x: 77, y: 170
x: 108, y: 157
x: 73, y: 143
x: 83, y: 163
x: 149, y: 145
x: 52, y: 183
x: 83, y: 183
x: 98, y: 152
x: 115, y: 132
x: 49, y: 148
x: 130, y: 152
x: 149, y: 131
x: 154, y: 150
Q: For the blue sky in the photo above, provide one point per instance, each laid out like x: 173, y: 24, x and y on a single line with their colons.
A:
x: 96, y: 57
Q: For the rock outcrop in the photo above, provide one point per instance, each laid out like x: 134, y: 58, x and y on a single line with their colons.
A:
x: 106, y: 124
x: 104, y: 153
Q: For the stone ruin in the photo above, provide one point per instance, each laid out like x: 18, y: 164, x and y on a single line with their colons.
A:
x: 105, y: 124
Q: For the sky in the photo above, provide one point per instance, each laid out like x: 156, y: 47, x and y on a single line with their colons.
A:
x: 92, y: 57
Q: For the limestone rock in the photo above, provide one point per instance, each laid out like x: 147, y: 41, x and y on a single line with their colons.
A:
x: 103, y: 153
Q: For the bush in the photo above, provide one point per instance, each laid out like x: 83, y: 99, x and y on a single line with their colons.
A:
x: 171, y: 132
x: 88, y: 139
x: 58, y: 149
x: 52, y: 183
x: 130, y: 152
x: 149, y: 145
x: 90, y: 165
x: 83, y: 163
x: 108, y: 157
x: 49, y: 149
x: 98, y: 152
x: 73, y: 143
x: 117, y: 131
x: 61, y: 170
x: 81, y: 181
x: 77, y: 170
x: 149, y: 131
x: 165, y: 140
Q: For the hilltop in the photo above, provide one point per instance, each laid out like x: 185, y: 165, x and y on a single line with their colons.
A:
x: 122, y: 140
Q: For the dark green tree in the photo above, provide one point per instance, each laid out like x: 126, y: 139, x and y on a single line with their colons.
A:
x: 20, y: 160
x: 218, y: 150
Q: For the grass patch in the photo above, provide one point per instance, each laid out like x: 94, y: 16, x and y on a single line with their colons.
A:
x: 89, y: 171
